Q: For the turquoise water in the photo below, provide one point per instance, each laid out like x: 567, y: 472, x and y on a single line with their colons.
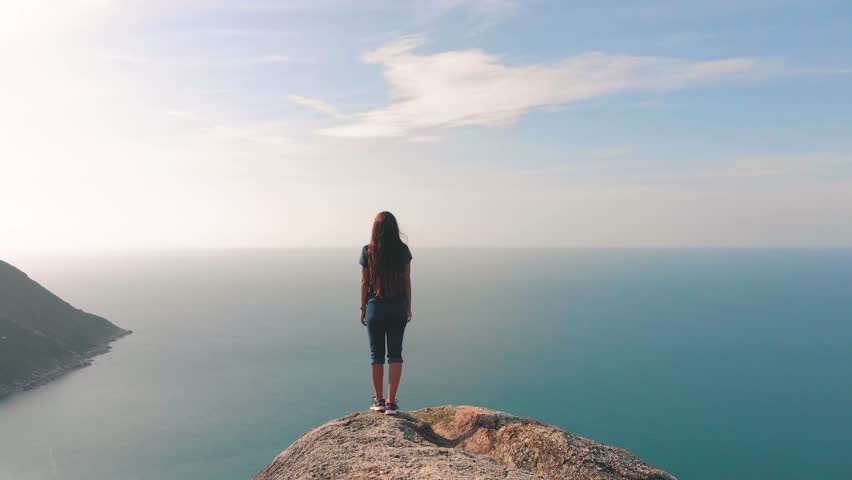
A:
x: 708, y: 363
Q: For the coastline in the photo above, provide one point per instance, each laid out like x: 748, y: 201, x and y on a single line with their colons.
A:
x: 77, y: 362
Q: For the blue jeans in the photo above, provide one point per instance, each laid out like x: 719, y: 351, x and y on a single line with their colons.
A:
x: 386, y: 322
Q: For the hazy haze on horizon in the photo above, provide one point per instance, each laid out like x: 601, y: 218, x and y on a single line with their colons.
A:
x: 170, y: 125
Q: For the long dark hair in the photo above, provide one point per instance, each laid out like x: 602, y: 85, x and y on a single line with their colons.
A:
x: 388, y: 255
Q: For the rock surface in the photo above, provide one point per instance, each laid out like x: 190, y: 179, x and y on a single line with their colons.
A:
x: 451, y: 442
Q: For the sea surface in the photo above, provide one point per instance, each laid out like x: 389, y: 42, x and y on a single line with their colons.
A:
x: 711, y: 364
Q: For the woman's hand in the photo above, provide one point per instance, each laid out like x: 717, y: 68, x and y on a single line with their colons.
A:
x: 408, y: 316
x: 363, y: 318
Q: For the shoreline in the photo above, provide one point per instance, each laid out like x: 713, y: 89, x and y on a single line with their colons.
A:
x: 75, y: 363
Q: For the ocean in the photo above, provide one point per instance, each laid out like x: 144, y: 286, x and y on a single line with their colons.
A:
x: 709, y: 363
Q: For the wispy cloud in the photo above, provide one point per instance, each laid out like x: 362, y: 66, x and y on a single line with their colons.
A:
x: 424, y: 139
x: 821, y: 71
x: 753, y: 170
x: 201, y: 62
x: 182, y: 114
x: 471, y: 87
x: 269, y: 133
x: 317, y: 105
x: 490, y: 9
x: 606, y: 153
x: 679, y: 38
x: 261, y: 59
x: 210, y: 128
x: 778, y: 166
x: 478, y: 15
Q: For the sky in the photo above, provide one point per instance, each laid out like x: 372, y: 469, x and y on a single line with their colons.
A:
x: 181, y: 124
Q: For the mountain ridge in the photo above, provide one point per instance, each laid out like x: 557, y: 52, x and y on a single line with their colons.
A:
x: 42, y: 336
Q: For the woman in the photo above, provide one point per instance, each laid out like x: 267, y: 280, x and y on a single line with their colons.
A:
x: 385, y: 305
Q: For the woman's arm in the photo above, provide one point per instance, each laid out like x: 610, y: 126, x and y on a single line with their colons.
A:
x: 365, y: 281
x: 406, y: 272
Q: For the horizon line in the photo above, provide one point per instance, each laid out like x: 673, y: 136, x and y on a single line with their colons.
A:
x: 203, y: 250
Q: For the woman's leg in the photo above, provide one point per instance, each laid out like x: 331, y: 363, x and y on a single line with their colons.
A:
x: 378, y: 372
x: 395, y: 330
x: 393, y: 380
x: 376, y: 334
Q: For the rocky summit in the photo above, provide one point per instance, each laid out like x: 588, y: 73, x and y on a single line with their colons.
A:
x: 452, y: 442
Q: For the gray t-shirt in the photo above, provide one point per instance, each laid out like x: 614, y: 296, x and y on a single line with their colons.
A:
x: 365, y: 262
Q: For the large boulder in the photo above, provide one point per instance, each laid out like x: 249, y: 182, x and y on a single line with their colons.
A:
x: 452, y: 442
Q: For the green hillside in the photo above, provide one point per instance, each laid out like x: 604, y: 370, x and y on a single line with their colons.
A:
x: 41, y: 335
